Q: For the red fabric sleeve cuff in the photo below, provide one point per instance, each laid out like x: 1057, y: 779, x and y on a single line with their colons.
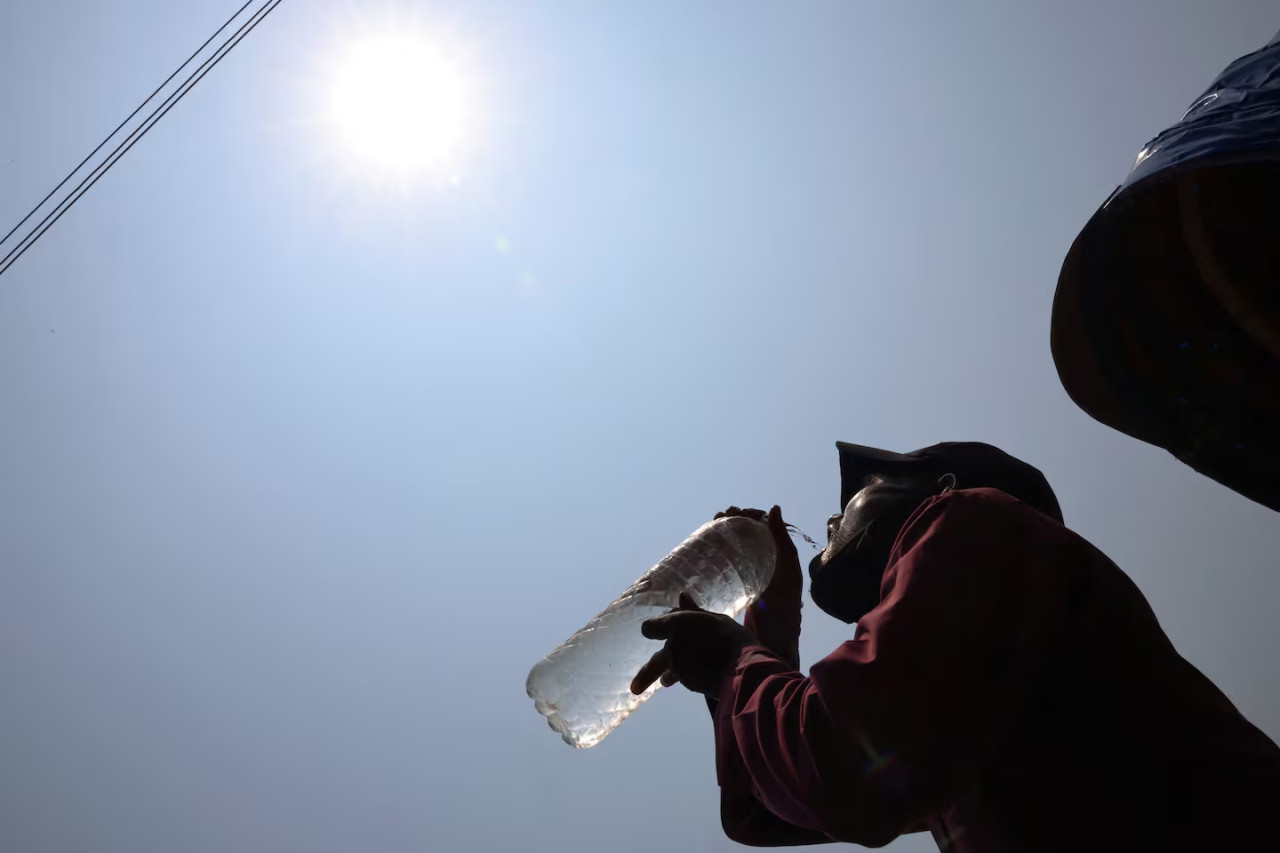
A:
x: 726, y: 692
x: 730, y: 772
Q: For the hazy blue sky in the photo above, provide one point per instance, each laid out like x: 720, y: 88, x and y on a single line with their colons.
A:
x: 299, y: 476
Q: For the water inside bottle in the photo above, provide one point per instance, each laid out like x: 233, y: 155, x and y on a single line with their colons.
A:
x: 583, y: 686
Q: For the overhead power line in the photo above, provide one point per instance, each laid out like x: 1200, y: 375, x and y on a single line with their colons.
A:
x: 69, y: 200
x: 120, y: 126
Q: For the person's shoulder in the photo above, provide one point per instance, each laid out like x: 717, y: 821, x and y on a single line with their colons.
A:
x: 978, y: 504
x: 984, y: 514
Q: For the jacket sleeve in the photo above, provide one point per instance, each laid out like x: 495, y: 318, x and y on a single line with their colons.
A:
x: 891, y: 727
x: 744, y: 818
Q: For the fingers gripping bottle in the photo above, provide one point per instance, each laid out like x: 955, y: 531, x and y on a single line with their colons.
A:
x: 583, y: 686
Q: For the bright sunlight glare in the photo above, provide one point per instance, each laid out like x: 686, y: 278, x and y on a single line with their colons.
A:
x: 400, y: 105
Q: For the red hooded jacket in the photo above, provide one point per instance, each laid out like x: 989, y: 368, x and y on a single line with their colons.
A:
x: 1013, y: 691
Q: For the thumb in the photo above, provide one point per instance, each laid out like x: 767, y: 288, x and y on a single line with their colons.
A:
x: 776, y: 524
x: 788, y: 579
x: 656, y: 628
x: 688, y: 602
x: 782, y: 535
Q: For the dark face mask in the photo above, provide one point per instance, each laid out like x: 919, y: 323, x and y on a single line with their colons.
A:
x: 848, y: 586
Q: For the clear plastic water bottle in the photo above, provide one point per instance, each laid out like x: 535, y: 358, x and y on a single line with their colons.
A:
x: 583, y: 687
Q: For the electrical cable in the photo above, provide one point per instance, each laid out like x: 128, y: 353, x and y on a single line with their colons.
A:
x: 132, y: 139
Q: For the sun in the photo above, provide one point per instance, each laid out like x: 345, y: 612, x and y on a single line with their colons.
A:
x: 400, y: 105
